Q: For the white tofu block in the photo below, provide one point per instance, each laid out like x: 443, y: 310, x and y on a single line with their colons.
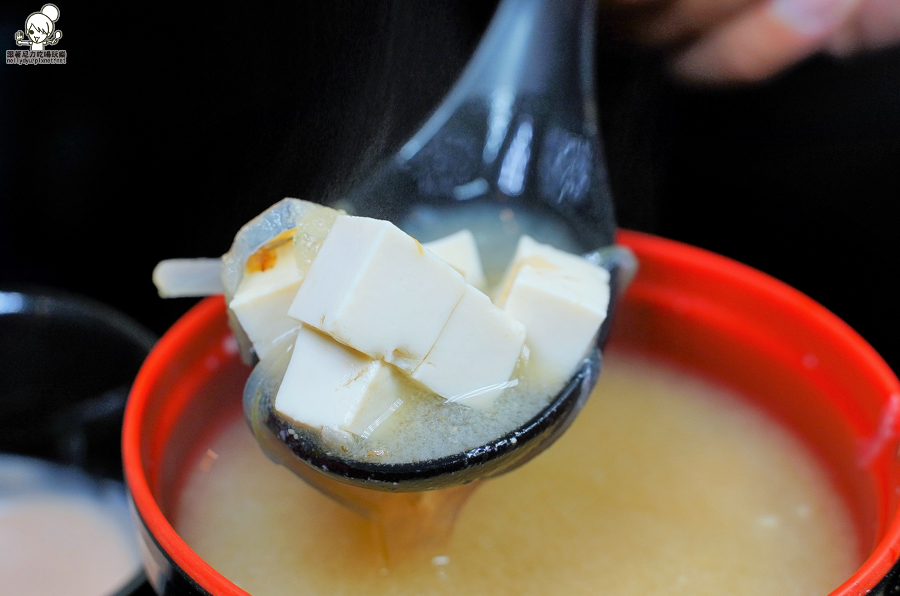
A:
x: 562, y: 300
x: 376, y: 289
x: 529, y: 251
x: 478, y: 348
x: 327, y: 384
x: 266, y: 291
x: 460, y: 251
x: 528, y: 247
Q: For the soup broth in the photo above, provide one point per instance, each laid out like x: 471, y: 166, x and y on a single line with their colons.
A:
x: 665, y: 484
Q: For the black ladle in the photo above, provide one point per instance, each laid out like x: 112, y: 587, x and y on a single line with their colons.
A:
x: 518, y: 134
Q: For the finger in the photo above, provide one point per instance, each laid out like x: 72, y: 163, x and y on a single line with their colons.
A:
x: 875, y: 25
x: 762, y: 41
x: 686, y: 18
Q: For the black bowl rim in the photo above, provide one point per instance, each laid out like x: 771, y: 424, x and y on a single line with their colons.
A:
x: 17, y: 300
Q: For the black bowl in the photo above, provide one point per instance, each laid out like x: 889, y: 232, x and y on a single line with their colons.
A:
x: 68, y: 364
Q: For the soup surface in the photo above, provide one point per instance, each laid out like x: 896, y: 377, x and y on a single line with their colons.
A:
x: 664, y: 484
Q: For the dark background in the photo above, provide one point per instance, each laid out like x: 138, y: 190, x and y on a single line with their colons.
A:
x: 170, y: 126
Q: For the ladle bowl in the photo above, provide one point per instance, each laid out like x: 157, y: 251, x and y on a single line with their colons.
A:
x: 289, y: 445
x: 516, y: 139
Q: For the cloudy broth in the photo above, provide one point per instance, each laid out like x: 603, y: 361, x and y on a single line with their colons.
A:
x: 665, y: 484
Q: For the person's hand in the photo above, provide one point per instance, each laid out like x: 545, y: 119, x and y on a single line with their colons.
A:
x: 716, y: 41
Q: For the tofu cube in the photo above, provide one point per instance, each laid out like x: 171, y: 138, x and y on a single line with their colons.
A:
x: 533, y: 253
x: 327, y: 384
x: 460, y: 251
x: 478, y: 348
x: 562, y: 300
x: 376, y: 289
x: 268, y: 287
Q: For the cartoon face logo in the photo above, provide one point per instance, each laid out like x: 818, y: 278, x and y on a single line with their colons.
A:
x: 40, y: 28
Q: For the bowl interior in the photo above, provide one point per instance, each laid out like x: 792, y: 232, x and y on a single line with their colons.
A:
x: 696, y: 310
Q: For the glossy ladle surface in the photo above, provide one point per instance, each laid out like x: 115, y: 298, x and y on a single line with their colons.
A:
x: 516, y: 138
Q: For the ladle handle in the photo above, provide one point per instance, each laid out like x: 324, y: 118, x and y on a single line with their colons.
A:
x: 535, y: 48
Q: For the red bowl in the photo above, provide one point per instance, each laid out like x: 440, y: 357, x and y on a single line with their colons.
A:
x: 698, y: 310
